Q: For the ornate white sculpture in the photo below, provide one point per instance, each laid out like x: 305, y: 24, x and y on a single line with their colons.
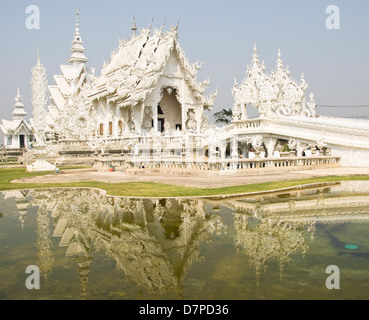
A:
x: 257, y: 143
x: 275, y: 94
x: 39, y: 99
x: 191, y: 120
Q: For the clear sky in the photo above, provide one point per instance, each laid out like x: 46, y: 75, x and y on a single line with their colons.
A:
x: 218, y: 33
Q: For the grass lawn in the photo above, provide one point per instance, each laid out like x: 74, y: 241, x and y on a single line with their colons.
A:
x: 146, y: 189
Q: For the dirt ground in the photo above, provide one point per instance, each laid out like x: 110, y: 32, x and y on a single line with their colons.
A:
x: 198, y: 180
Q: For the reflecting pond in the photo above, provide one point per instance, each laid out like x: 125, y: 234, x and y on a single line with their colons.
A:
x: 88, y: 245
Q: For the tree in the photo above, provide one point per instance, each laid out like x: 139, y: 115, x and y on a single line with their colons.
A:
x: 224, y: 116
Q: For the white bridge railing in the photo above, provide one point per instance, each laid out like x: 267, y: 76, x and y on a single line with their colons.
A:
x: 217, y: 165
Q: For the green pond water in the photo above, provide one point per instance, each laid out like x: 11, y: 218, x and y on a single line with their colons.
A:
x: 87, y: 245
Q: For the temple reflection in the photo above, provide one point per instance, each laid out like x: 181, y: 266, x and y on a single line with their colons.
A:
x: 154, y: 243
x: 273, y: 227
x: 22, y: 203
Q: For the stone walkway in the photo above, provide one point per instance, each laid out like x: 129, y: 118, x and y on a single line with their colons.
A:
x: 198, y: 180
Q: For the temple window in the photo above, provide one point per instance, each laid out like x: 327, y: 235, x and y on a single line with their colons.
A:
x: 120, y: 126
x: 160, y: 111
x: 101, y: 129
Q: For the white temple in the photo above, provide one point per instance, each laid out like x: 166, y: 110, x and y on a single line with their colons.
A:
x: 147, y: 85
x: 17, y: 132
x: 146, y: 111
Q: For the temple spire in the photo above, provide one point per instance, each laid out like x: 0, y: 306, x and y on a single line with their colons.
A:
x: 279, y: 61
x: 134, y: 26
x: 77, y: 57
x: 38, y: 55
x: 39, y: 98
x: 19, y: 112
x: 255, y: 58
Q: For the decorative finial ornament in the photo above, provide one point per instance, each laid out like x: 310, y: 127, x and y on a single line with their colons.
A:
x: 18, y: 97
x: 255, y: 58
x: 77, y: 24
x: 134, y: 26
x: 77, y: 18
x: 162, y: 27
x: 152, y: 21
x: 38, y: 54
x: 279, y: 61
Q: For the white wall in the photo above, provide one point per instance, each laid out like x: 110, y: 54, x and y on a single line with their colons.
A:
x: 352, y: 157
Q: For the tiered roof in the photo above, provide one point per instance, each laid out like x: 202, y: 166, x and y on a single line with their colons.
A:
x: 18, y: 122
x: 137, y: 65
x: 73, y: 77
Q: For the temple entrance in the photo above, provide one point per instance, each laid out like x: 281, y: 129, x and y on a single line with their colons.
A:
x: 21, y: 141
x: 161, y: 125
x: 169, y: 111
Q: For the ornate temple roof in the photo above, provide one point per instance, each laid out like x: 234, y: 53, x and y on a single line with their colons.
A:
x: 72, y: 78
x: 19, y: 112
x: 137, y: 65
x: 18, y: 122
x: 276, y: 93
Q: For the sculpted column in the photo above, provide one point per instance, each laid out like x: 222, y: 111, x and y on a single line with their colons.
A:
x: 270, y: 145
x: 223, y: 148
x: 299, y: 148
x: 183, y: 107
x: 244, y: 112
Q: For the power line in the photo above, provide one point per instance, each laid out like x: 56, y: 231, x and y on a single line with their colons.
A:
x: 329, y: 106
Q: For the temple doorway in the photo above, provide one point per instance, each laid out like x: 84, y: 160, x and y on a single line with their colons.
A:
x: 161, y: 125
x: 169, y: 111
x: 21, y: 141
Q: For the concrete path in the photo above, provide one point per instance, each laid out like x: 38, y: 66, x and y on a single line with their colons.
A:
x: 200, y: 181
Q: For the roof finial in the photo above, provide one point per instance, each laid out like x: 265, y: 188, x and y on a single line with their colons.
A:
x: 18, y: 97
x: 134, y: 26
x: 77, y: 48
x: 279, y: 61
x: 77, y: 23
x: 38, y: 53
x: 152, y: 21
x: 162, y: 27
x: 255, y: 58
